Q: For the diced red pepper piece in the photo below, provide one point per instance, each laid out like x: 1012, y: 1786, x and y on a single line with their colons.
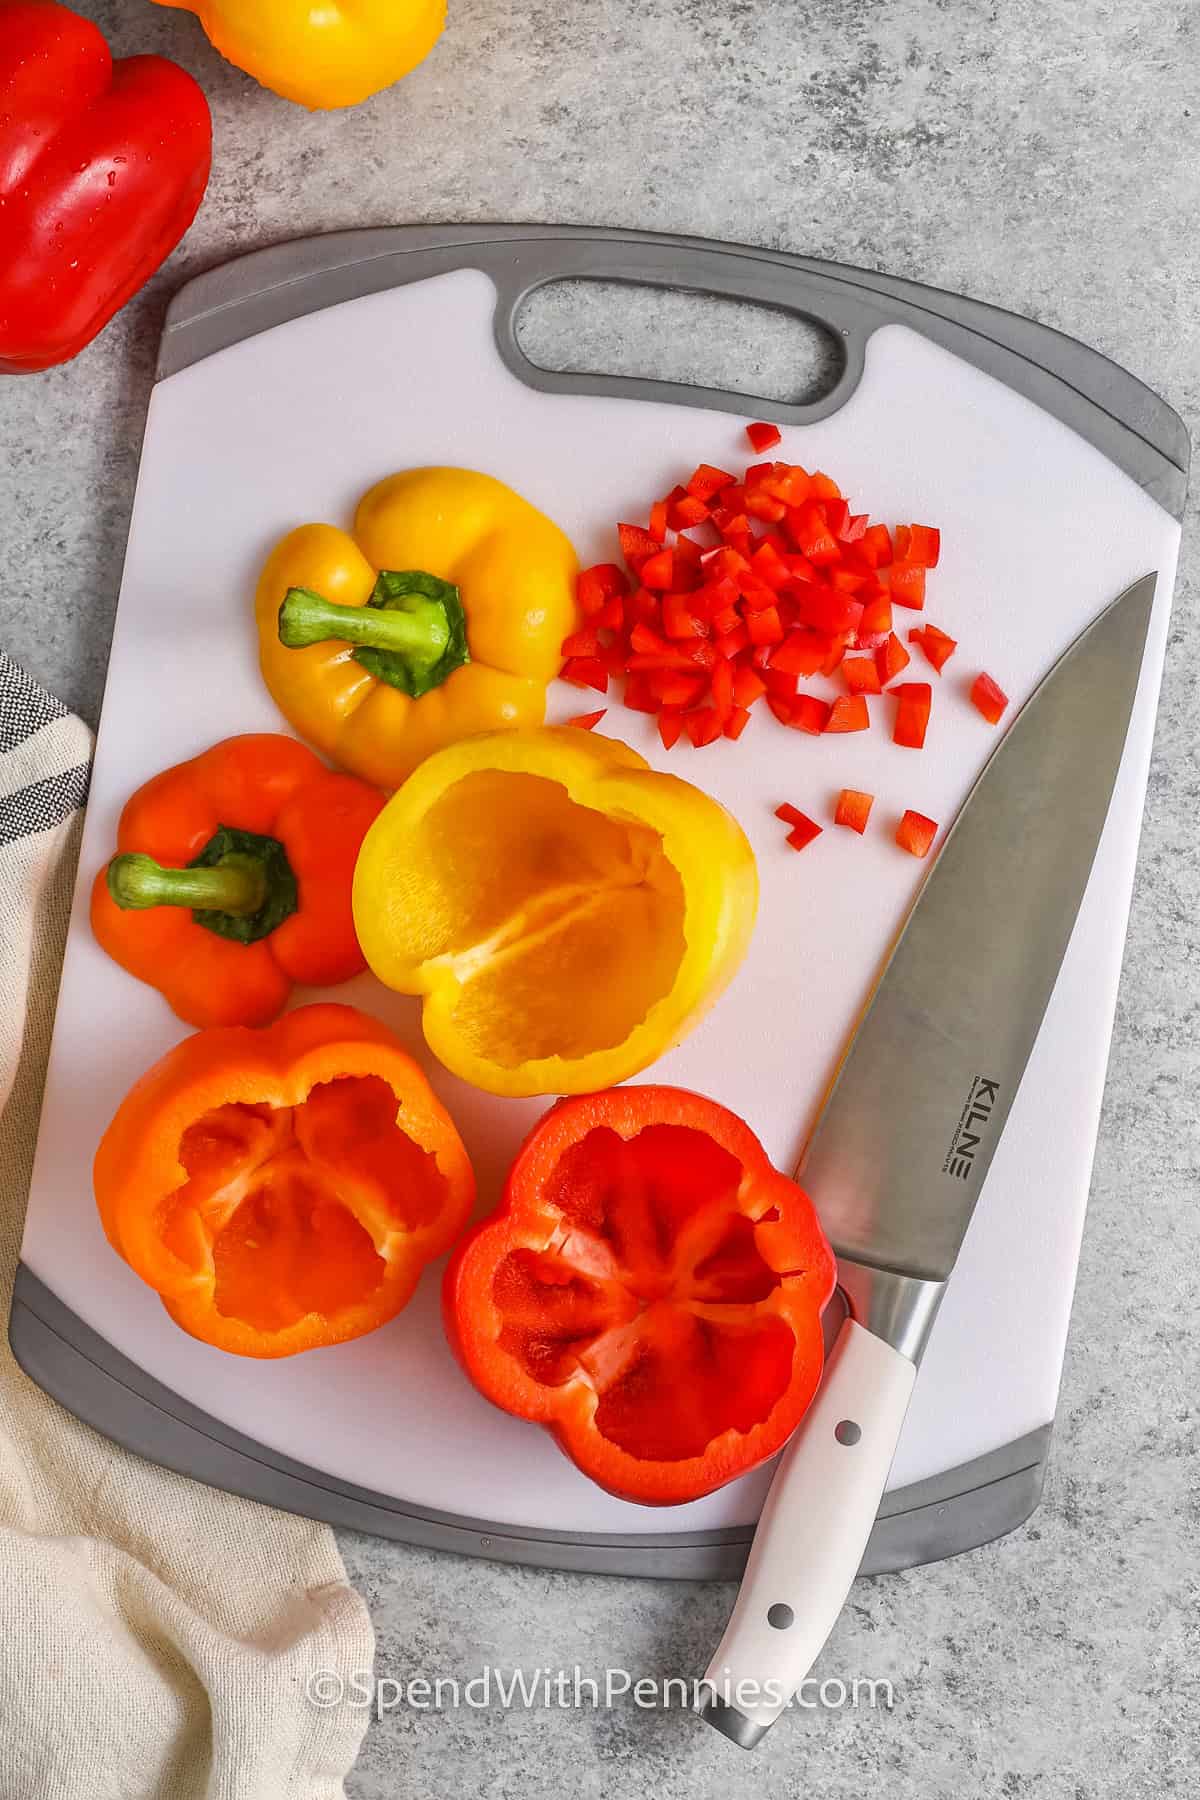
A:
x: 811, y: 534
x: 861, y: 675
x: 735, y: 529
x: 586, y: 671
x: 762, y: 506
x: 748, y: 686
x: 639, y: 696
x: 906, y: 583
x: 801, y: 653
x: 581, y: 643
x: 611, y: 616
x: 765, y: 627
x: 915, y: 833
x: 596, y: 586
x: 721, y: 686
x: 837, y: 650
x: 736, y: 722
x: 938, y: 647
x: 825, y: 487
x: 912, y: 713
x: 707, y: 481
x: 890, y: 658
x: 636, y: 544
x: 763, y: 437
x: 700, y: 654
x: 854, y: 809
x: 648, y: 643
x: 803, y: 833
x: 788, y: 482
x: 679, y: 621
x: 613, y: 656
x: 675, y: 688
x: 780, y: 682
x: 988, y: 698
x: 919, y: 544
x: 658, y: 571
x: 756, y: 595
x: 791, y: 815
x: 876, y: 620
x: 686, y: 512
x: 670, y: 724
x: 781, y: 707
x: 703, y: 726
x: 824, y: 609
x: 875, y: 546
x: 810, y: 714
x: 588, y: 721
x: 855, y: 528
x: 643, y: 608
x: 769, y: 566
x: 658, y: 521
x: 688, y: 559
x: 848, y: 713
x: 837, y: 516
x: 732, y: 643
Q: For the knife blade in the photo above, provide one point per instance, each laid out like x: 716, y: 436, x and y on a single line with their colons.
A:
x: 906, y: 1134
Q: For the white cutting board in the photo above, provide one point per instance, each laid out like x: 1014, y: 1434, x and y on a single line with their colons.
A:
x: 1039, y: 533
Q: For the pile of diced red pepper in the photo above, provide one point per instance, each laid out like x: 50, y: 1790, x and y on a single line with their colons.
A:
x: 737, y: 590
x: 782, y: 582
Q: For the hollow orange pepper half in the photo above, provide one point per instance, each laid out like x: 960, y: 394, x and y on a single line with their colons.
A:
x: 232, y: 880
x: 283, y: 1189
x: 443, y: 614
x: 649, y: 1290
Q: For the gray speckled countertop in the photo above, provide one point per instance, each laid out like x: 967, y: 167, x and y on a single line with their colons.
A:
x: 1045, y: 156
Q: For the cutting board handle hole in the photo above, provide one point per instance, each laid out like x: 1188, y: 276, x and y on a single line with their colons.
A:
x: 639, y: 331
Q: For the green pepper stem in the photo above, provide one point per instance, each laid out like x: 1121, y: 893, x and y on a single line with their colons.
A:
x: 236, y: 884
x: 421, y: 630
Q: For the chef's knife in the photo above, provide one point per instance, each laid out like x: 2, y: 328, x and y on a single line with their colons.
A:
x: 908, y: 1129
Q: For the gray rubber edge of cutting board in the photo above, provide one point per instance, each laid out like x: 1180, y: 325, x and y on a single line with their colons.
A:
x: 958, y: 1510
x: 948, y: 1513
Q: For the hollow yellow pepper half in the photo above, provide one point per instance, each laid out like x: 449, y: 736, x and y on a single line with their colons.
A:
x: 566, y: 912
x: 335, y: 54
x: 443, y: 614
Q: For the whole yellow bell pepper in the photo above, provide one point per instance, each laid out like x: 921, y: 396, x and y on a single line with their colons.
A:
x: 442, y: 615
x: 335, y: 54
x: 567, y: 912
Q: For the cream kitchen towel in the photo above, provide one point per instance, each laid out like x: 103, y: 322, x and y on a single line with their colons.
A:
x: 156, y: 1637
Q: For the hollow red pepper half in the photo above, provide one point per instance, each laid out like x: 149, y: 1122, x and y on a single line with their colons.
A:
x: 649, y: 1290
x: 102, y: 167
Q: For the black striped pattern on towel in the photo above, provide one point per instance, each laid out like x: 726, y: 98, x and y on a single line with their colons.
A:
x: 44, y: 800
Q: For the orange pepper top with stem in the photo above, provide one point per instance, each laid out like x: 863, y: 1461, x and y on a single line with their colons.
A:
x: 232, y: 879
x: 441, y: 616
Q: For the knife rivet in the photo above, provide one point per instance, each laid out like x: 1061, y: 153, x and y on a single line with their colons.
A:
x: 780, y: 1616
x: 847, y: 1432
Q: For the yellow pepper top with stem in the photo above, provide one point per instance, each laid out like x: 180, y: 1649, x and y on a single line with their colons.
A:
x: 335, y: 54
x: 442, y: 615
x: 566, y: 912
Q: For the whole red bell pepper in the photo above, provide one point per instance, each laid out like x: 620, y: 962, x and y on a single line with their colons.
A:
x: 649, y: 1290
x: 102, y: 167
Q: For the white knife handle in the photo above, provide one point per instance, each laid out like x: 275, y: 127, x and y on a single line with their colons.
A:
x: 812, y: 1534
